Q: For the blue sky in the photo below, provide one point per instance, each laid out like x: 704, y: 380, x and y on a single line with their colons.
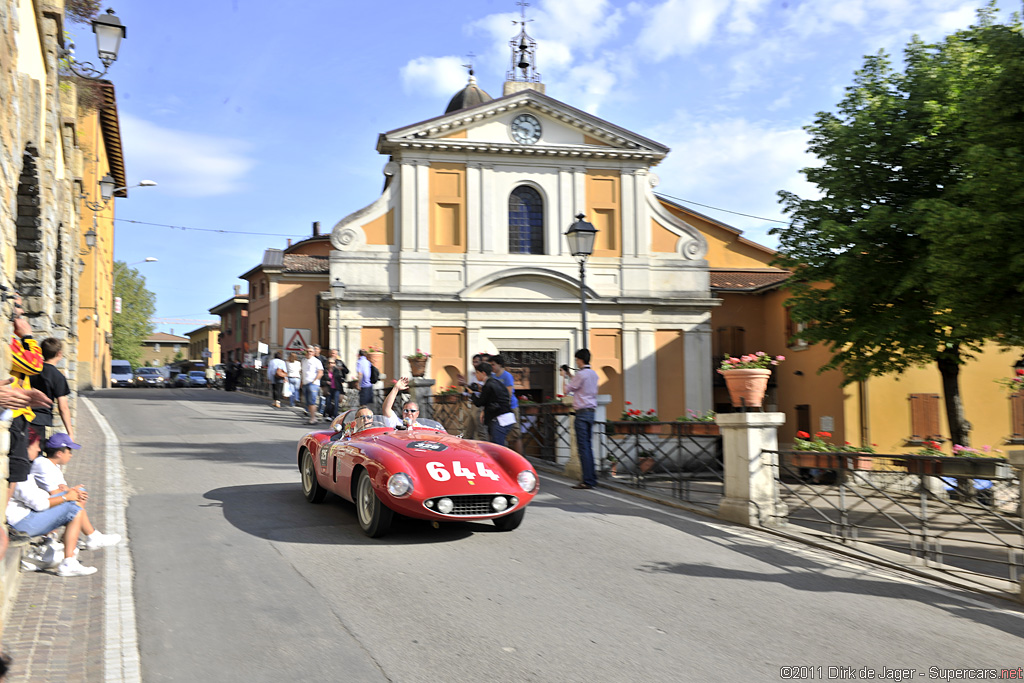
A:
x: 262, y: 117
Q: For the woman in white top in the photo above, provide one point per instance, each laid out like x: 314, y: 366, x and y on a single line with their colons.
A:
x: 294, y: 378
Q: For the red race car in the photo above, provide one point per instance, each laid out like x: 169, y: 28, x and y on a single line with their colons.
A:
x: 418, y: 470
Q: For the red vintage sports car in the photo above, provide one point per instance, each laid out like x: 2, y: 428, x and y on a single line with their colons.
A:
x: 418, y: 470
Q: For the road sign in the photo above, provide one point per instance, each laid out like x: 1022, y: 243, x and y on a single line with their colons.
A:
x: 297, y: 339
x: 207, y: 353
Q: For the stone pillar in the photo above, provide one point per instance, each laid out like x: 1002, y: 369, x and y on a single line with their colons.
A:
x: 751, y: 495
x: 420, y: 388
x: 572, y: 466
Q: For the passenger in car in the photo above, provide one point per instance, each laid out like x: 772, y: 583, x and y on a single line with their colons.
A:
x: 410, y: 411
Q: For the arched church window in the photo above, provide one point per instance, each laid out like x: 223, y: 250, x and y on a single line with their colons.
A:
x: 525, y: 221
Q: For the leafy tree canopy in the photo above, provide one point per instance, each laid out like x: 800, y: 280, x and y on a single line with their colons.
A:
x: 914, y: 253
x: 131, y: 325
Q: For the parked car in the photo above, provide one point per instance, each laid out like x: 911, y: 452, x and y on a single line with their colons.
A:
x: 179, y: 379
x: 420, y: 471
x: 121, y: 374
x: 197, y: 378
x: 220, y: 372
x: 149, y: 377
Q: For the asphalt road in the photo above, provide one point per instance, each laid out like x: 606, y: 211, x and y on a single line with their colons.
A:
x: 238, y: 578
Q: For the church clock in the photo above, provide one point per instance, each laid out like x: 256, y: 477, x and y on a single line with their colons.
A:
x: 525, y: 129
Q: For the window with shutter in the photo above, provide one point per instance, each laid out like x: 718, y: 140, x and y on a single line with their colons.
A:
x: 924, y: 418
x: 1017, y: 418
x: 730, y: 341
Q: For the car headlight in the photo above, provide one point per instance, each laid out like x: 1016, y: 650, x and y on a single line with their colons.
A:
x: 445, y: 506
x: 399, y: 485
x: 527, y: 480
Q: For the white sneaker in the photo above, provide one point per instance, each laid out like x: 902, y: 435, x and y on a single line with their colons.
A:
x: 72, y: 567
x: 98, y: 540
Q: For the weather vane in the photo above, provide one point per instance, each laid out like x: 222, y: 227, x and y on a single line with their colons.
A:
x: 524, y: 49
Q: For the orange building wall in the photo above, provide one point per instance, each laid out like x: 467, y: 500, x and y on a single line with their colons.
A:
x: 663, y: 240
x: 726, y: 248
x: 606, y: 352
x: 296, y: 308
x: 447, y: 208
x: 448, y: 349
x: 604, y: 210
x: 259, y: 312
x: 669, y: 357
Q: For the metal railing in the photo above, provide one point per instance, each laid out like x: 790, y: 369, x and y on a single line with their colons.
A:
x: 961, y: 515
x: 680, y: 460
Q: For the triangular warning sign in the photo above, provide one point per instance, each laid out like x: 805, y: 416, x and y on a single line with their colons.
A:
x: 296, y: 343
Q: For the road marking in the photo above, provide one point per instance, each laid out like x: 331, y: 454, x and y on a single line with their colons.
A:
x: 819, y: 555
x: 121, y: 662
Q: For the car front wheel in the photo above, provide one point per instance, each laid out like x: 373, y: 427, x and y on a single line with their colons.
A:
x: 374, y: 516
x: 510, y: 522
x: 310, y: 486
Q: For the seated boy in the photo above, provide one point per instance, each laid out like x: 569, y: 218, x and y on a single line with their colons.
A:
x: 34, y: 512
x: 49, y: 477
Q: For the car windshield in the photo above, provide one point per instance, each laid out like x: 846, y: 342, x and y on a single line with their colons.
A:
x: 196, y: 373
x: 424, y: 423
x: 148, y: 371
x: 359, y: 424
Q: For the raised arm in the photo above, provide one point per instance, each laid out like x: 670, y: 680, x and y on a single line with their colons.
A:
x: 389, y: 402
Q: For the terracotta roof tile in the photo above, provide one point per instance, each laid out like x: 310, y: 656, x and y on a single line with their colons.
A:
x: 739, y: 280
x: 306, y: 263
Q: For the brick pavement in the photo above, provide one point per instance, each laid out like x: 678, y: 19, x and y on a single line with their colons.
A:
x: 59, y: 629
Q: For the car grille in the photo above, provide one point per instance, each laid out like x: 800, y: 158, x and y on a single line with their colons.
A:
x: 467, y: 506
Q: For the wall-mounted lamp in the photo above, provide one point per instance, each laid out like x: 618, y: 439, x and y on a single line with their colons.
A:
x: 109, y: 33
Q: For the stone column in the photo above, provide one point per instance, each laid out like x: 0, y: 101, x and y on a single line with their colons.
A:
x: 751, y: 495
x: 420, y: 388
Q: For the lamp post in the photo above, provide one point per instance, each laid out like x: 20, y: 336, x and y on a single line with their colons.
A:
x: 109, y: 32
x: 580, y: 237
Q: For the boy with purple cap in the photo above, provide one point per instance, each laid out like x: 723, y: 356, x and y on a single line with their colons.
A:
x: 49, y: 477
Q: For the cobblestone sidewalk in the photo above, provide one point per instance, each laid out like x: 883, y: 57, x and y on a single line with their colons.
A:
x: 81, y: 629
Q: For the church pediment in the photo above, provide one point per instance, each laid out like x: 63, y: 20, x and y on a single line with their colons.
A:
x: 525, y: 284
x: 526, y: 122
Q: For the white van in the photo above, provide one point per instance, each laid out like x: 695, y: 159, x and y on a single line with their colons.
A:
x: 121, y: 374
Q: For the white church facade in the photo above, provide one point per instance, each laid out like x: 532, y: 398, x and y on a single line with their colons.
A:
x: 464, y: 252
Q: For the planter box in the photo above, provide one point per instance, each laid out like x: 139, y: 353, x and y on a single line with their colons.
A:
x: 695, y: 429
x: 829, y: 461
x: 447, y: 398
x: 968, y: 468
x: 622, y: 428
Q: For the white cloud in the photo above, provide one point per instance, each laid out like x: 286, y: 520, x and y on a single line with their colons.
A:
x: 677, y: 27
x: 710, y: 160
x: 184, y: 163
x: 434, y: 76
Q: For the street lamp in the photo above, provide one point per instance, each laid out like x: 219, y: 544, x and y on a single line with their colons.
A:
x: 107, y: 190
x: 580, y: 237
x: 109, y: 32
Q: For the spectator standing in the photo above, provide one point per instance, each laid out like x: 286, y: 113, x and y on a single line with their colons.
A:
x: 365, y: 385
x: 211, y: 375
x: 277, y: 373
x: 506, y: 378
x: 493, y: 399
x: 583, y: 388
x: 312, y: 371
x: 294, y: 378
x: 331, y: 384
x: 473, y: 422
x: 52, y: 382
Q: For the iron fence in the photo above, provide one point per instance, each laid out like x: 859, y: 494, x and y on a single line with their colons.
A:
x: 961, y: 515
x: 680, y: 460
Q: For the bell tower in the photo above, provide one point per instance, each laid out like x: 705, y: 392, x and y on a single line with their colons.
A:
x: 523, y: 74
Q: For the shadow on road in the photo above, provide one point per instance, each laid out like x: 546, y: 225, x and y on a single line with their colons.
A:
x: 279, y: 512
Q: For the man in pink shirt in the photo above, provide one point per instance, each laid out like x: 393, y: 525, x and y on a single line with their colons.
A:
x: 583, y: 388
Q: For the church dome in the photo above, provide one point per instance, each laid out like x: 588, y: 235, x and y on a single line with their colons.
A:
x: 470, y: 96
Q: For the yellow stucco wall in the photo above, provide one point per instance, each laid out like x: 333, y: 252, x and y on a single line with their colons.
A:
x: 668, y: 345
x: 726, y: 248
x: 96, y: 284
x: 447, y: 184
x: 606, y: 351
x: 381, y: 230
x: 381, y: 337
x: 604, y: 210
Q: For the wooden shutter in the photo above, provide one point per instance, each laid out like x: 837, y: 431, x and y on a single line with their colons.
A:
x: 731, y: 340
x: 924, y: 417
x: 1017, y: 417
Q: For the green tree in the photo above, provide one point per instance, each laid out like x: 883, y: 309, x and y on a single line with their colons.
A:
x: 131, y: 325
x: 912, y: 255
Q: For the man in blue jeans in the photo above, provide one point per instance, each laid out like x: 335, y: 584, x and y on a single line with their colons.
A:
x: 583, y: 388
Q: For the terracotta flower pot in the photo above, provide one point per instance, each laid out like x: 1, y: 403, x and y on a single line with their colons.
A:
x: 376, y: 358
x: 418, y: 368
x: 747, y: 386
